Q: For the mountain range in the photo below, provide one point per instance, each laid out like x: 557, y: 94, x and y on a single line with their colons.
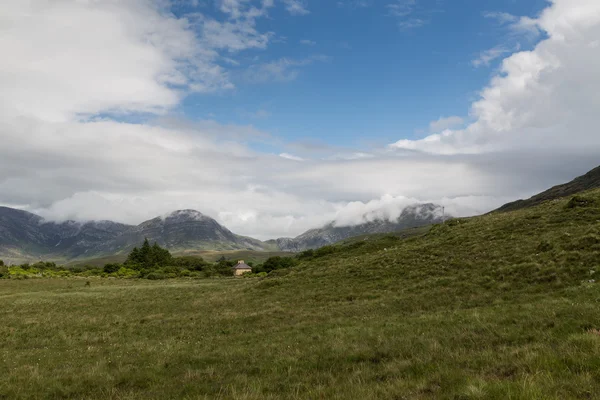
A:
x: 411, y: 217
x: 25, y: 236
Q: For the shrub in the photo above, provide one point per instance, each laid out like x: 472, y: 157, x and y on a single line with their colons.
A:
x: 579, y: 201
x: 127, y: 273
x: 111, y: 268
x: 275, y: 263
x: 306, y: 254
x: 326, y: 250
x: 190, y: 263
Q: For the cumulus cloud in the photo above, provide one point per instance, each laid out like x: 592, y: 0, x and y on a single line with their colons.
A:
x: 541, y: 100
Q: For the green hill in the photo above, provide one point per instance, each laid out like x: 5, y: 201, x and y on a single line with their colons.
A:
x: 589, y: 181
x: 499, y: 306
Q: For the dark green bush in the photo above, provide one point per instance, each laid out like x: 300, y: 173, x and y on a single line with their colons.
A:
x: 580, y: 201
x: 275, y: 263
x: 154, y: 276
x: 112, y: 268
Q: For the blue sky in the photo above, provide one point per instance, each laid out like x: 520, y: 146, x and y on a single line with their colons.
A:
x: 369, y: 79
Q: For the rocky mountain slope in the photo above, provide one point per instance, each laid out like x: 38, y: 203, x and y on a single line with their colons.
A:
x: 182, y: 230
x: 591, y: 180
x: 26, y: 236
x: 411, y: 217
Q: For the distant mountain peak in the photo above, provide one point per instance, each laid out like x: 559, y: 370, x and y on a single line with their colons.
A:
x: 412, y: 216
x: 186, y: 214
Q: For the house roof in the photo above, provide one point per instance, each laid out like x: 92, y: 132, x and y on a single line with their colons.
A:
x: 242, y: 265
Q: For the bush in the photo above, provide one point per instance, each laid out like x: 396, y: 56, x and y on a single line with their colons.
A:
x: 190, y: 263
x: 112, y: 268
x: 127, y: 273
x: 579, y: 201
x: 306, y: 254
x: 326, y: 250
x: 274, y: 263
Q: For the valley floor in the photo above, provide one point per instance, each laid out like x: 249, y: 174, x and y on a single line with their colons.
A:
x: 245, y: 339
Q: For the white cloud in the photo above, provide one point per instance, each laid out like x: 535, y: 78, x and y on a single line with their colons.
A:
x: 487, y: 56
x: 355, y: 3
x: 291, y: 157
x: 282, y: 70
x: 412, y: 14
x: 518, y: 25
x: 307, y: 42
x: 542, y: 99
x: 62, y: 59
x: 445, y: 123
x: 296, y: 7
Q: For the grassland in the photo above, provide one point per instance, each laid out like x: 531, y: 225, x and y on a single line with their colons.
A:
x: 503, y: 306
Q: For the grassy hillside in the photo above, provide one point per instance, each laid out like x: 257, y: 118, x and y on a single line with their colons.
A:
x: 493, y: 307
x: 589, y: 181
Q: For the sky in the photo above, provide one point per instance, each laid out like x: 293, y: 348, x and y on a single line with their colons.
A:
x: 277, y: 116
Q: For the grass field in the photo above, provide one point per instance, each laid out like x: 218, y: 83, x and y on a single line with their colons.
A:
x: 503, y: 306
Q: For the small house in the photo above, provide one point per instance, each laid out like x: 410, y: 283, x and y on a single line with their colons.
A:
x: 241, y: 268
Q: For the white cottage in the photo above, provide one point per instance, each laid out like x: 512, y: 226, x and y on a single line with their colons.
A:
x: 241, y: 268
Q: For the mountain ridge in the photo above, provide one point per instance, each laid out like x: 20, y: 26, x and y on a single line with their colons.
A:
x: 24, y: 235
x: 412, y: 216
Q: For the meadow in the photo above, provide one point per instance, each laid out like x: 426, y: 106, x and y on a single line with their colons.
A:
x: 502, y: 306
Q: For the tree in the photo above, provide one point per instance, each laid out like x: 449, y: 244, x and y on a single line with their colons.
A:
x: 1, y: 263
x: 149, y: 257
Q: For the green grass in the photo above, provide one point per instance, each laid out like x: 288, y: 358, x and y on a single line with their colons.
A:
x: 502, y: 306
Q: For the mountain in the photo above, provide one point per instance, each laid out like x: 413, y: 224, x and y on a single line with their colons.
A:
x: 411, y: 217
x: 591, y: 180
x: 26, y: 236
x: 182, y: 230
